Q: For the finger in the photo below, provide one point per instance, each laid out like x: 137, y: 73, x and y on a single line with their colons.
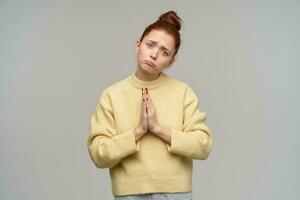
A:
x: 151, y: 109
x: 144, y: 106
x: 144, y: 100
x: 144, y: 94
x: 150, y: 100
x: 147, y: 99
x: 150, y: 105
x: 142, y: 97
x: 147, y: 96
x: 145, y: 109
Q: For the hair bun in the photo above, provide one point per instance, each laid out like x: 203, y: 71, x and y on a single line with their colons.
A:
x: 171, y: 17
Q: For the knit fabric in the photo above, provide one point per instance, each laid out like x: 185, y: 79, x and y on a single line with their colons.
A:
x: 150, y: 165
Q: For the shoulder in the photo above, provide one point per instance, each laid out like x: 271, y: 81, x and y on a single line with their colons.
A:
x: 180, y: 84
x: 186, y: 89
x: 114, y: 87
x: 106, y: 95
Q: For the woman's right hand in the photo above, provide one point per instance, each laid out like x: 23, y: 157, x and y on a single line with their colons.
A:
x: 143, y: 124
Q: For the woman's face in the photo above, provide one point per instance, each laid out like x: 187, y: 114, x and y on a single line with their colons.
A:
x: 155, y: 52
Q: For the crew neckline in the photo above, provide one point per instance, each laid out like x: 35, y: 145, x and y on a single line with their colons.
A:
x: 135, y: 81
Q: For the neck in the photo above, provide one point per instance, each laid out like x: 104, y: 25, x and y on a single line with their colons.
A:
x: 145, y: 76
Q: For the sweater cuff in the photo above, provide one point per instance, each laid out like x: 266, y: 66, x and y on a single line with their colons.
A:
x: 126, y: 142
x: 177, y: 142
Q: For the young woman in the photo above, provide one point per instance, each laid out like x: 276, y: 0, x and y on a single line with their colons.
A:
x: 148, y: 128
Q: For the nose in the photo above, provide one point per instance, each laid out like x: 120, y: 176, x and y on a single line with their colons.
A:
x: 154, y: 54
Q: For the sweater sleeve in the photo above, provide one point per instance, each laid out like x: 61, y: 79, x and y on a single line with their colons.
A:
x: 106, y: 146
x: 195, y: 140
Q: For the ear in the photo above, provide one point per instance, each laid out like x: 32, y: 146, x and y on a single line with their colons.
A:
x: 137, y: 46
x: 172, y: 61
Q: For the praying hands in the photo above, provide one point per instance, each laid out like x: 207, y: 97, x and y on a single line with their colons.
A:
x: 148, y: 120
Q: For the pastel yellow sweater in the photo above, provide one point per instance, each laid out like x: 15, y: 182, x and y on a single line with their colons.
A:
x: 149, y: 165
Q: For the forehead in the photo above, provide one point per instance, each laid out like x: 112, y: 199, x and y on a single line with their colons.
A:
x: 162, y: 38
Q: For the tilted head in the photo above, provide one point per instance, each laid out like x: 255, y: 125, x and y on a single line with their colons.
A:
x: 159, y: 43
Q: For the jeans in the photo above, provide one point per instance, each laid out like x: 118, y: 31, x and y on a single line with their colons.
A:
x: 157, y: 196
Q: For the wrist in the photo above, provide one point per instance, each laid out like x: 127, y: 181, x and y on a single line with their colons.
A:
x: 157, y: 129
x: 139, y: 131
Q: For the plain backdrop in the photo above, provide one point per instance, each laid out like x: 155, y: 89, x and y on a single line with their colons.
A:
x: 241, y: 57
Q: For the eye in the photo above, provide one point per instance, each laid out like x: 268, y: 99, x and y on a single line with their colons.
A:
x: 149, y: 45
x: 165, y: 53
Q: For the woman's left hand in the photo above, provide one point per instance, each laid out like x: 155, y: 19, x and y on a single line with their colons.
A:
x: 153, y: 126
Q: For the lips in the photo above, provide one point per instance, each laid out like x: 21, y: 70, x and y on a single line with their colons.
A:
x: 150, y: 63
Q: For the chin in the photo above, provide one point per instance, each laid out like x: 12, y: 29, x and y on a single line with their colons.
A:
x: 147, y: 69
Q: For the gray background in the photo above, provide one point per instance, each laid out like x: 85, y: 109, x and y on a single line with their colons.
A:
x: 241, y: 57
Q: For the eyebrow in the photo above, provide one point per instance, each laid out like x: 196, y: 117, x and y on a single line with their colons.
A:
x: 161, y: 45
